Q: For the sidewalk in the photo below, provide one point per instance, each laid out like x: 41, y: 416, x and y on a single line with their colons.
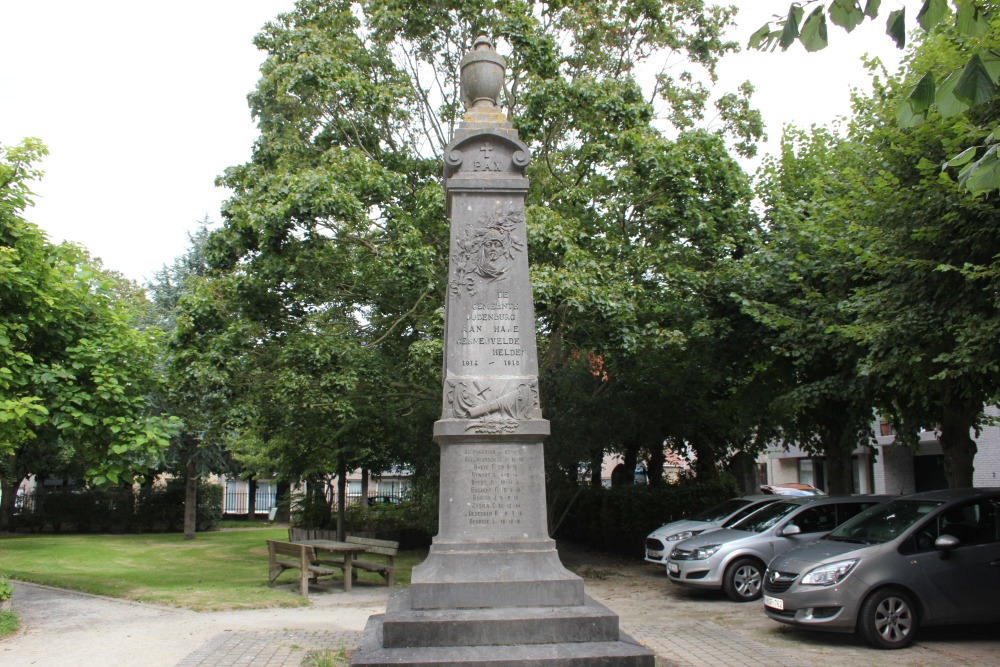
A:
x: 65, y: 628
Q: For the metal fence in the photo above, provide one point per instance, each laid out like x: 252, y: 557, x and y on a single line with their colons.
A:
x: 236, y: 501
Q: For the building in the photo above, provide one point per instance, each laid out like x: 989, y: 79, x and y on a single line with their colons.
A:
x: 887, y: 467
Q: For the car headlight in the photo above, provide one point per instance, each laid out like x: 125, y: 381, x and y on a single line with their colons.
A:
x: 683, y: 535
x: 701, y: 553
x: 828, y: 575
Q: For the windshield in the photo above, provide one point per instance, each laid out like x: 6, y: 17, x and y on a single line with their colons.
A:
x: 769, y: 515
x: 884, y: 522
x: 745, y: 512
x: 720, y: 511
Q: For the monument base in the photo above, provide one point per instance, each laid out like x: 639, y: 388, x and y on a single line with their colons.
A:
x: 574, y: 636
x: 512, y: 574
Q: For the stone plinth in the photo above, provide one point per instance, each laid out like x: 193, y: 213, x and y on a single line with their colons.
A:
x: 492, y: 590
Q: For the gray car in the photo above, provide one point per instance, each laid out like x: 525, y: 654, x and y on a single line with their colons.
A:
x: 733, y: 559
x: 660, y: 541
x: 929, y: 558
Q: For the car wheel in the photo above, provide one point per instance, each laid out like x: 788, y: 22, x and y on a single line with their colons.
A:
x: 743, y: 580
x: 888, y: 619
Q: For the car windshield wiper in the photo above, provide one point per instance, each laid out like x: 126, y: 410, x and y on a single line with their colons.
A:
x: 849, y: 540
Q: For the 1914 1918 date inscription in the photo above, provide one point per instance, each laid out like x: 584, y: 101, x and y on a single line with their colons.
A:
x: 495, y: 489
x: 494, y: 326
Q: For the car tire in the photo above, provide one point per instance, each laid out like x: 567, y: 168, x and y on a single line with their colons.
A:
x: 888, y: 619
x: 743, y: 580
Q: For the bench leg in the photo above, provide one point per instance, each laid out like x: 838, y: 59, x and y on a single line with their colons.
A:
x: 304, y: 583
x: 347, y: 574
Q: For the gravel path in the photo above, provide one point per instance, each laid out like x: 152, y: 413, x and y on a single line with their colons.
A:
x: 683, y: 628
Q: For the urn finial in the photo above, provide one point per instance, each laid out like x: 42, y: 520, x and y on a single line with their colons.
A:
x: 482, y: 75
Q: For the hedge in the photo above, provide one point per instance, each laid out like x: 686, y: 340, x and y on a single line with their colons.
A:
x: 618, y: 520
x: 116, y: 510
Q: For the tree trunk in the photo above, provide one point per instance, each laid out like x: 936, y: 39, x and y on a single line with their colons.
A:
x: 704, y: 459
x: 839, y: 471
x: 251, y: 498
x: 654, y: 468
x: 957, y: 445
x: 744, y: 469
x: 341, y: 498
x: 364, y: 487
x: 8, y: 487
x: 629, y: 459
x: 281, y: 493
x: 191, y: 501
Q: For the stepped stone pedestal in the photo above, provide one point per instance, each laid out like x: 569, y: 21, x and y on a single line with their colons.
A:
x: 492, y: 590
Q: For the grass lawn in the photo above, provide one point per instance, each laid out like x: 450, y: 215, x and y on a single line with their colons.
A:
x: 217, y: 570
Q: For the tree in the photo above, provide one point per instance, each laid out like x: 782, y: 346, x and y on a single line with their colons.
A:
x: 969, y: 86
x: 75, y: 369
x: 197, y: 356
x: 798, y: 288
x: 904, y: 259
x: 335, y: 238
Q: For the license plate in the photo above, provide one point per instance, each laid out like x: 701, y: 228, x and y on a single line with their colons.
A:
x: 774, y: 603
x: 673, y: 568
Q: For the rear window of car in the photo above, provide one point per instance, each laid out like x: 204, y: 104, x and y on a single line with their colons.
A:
x: 769, y: 515
x: 721, y: 511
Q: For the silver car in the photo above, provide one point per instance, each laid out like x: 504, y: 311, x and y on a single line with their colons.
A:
x: 929, y: 558
x: 734, y: 558
x: 660, y: 541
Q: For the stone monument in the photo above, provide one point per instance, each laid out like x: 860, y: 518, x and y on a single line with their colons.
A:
x: 492, y: 590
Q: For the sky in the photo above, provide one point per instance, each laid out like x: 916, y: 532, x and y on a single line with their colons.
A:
x: 142, y: 105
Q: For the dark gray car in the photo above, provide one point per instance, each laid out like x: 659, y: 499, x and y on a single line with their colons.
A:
x: 929, y: 558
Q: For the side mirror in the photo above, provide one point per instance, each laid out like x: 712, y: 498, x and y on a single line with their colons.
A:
x: 790, y: 529
x: 945, y: 543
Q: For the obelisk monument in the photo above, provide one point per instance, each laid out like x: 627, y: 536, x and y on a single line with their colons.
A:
x: 492, y: 577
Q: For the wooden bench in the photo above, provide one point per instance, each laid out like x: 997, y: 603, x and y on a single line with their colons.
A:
x: 283, y: 556
x: 385, y: 548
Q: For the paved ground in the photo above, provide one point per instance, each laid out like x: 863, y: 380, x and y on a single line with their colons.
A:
x: 682, y: 627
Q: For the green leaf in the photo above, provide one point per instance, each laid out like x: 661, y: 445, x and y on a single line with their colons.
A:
x: 970, y: 19
x: 962, y: 157
x: 983, y: 175
x: 907, y: 117
x: 847, y: 14
x: 895, y: 27
x: 791, y: 30
x: 119, y: 449
x: 813, y: 35
x: 872, y: 7
x: 922, y: 95
x: 975, y: 86
x: 944, y: 99
x: 932, y: 13
x: 757, y: 39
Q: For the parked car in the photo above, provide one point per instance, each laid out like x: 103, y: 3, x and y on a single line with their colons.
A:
x: 924, y: 559
x: 791, y: 490
x: 734, y: 558
x: 660, y: 541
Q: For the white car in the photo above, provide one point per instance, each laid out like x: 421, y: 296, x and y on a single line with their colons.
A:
x: 662, y: 540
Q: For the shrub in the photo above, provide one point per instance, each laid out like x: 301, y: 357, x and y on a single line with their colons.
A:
x: 118, y: 509
x: 618, y: 520
x: 6, y: 590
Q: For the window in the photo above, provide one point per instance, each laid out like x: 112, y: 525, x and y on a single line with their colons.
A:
x: 972, y: 523
x: 817, y: 519
x: 812, y: 472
